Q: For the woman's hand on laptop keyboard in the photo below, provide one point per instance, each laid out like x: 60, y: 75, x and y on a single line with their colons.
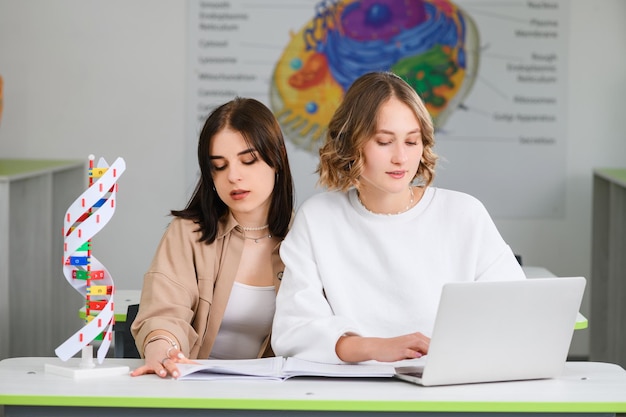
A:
x: 352, y: 348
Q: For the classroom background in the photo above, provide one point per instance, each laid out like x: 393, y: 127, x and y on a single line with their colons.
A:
x: 109, y: 79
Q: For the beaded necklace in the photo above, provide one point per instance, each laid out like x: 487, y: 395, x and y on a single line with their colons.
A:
x: 252, y: 229
x: 411, y: 200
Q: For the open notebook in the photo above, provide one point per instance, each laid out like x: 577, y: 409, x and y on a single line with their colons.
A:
x: 279, y: 368
x: 500, y: 331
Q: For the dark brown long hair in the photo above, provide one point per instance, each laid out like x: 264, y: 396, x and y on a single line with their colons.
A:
x: 261, y: 131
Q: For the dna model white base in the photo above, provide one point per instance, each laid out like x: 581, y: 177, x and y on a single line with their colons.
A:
x: 87, y: 368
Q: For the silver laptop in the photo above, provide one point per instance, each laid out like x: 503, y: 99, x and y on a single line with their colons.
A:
x: 500, y: 331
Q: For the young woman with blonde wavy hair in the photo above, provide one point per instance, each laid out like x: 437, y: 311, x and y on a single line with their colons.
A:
x: 366, y: 260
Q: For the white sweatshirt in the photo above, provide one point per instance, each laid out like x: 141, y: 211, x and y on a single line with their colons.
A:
x: 351, y: 271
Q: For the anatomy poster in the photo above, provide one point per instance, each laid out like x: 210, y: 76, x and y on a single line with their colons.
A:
x: 491, y: 73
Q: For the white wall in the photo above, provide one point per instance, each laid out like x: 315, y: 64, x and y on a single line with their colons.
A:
x: 103, y: 78
x: 108, y: 78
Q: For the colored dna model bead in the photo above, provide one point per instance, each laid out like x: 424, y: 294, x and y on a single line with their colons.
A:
x: 87, y: 215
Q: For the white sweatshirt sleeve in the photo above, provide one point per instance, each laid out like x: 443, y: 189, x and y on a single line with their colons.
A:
x: 304, y: 324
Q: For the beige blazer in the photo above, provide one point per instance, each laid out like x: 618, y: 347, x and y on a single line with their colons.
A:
x: 188, y: 284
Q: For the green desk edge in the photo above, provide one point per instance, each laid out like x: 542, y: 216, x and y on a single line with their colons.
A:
x: 314, y: 405
x: 19, y: 167
x: 616, y: 175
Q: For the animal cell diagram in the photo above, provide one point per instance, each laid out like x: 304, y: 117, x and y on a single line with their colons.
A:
x: 87, y: 215
x: 432, y: 44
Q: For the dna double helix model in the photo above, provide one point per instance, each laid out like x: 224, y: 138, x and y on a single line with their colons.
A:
x: 87, y: 215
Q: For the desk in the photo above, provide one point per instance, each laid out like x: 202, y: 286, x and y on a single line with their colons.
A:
x: 540, y: 272
x: 537, y: 272
x: 584, y: 387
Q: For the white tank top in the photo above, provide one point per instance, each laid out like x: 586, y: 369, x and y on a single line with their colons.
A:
x: 247, y: 322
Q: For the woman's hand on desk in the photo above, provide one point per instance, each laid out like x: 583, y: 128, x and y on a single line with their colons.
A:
x: 161, y: 359
x: 391, y: 349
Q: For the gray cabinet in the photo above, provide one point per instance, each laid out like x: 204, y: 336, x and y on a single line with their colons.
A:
x: 38, y: 307
x: 607, y: 323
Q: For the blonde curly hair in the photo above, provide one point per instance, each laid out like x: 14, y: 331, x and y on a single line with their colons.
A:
x: 354, y: 123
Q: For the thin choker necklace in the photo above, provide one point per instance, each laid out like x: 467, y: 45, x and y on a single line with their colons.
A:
x: 253, y: 229
x: 358, y: 196
x: 256, y: 239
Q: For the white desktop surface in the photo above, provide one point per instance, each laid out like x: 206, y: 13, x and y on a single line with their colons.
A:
x: 537, y: 272
x: 584, y: 387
